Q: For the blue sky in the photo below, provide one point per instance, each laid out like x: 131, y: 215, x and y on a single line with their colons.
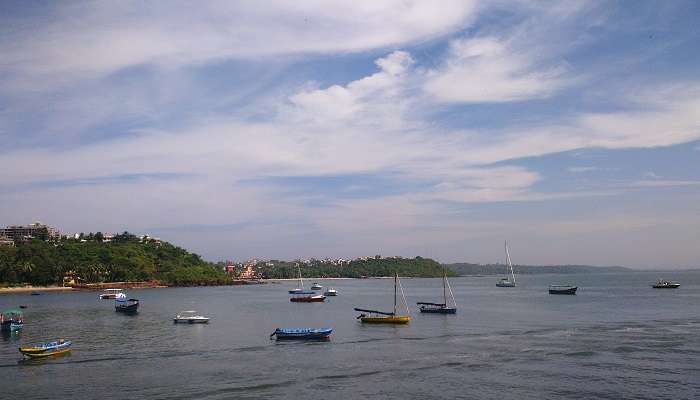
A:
x: 317, y: 129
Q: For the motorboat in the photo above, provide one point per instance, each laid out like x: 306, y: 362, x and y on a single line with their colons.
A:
x: 110, y: 294
x: 662, y: 284
x: 49, y: 349
x: 507, y: 282
x: 316, y: 286
x: 307, y: 297
x: 562, y: 289
x: 330, y: 292
x: 302, y: 333
x: 124, y: 305
x: 11, y: 320
x: 190, y: 317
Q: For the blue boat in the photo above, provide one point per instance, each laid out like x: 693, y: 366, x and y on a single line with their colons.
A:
x: 47, y: 349
x: 11, y: 320
x: 302, y: 333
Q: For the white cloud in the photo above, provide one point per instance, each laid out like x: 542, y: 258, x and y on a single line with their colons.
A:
x: 582, y: 169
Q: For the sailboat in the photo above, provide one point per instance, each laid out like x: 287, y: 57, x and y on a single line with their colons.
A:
x: 380, y: 317
x: 506, y: 282
x: 300, y: 288
x: 440, y: 308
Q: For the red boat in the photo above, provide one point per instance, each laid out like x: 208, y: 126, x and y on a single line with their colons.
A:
x: 307, y: 297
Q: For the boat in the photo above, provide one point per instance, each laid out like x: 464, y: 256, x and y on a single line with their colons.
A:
x: 562, y: 289
x: 190, y: 317
x: 300, y: 288
x: 507, y: 282
x: 47, y: 349
x: 302, y: 333
x: 316, y: 286
x: 440, y: 308
x: 124, y: 305
x: 662, y: 284
x: 35, y: 293
x: 330, y: 292
x: 380, y: 317
x: 11, y: 320
x: 307, y: 297
x: 110, y: 294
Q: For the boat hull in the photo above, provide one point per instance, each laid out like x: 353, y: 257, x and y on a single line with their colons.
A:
x: 303, y: 334
x: 569, y: 291
x: 49, y: 350
x: 131, y: 308
x: 330, y: 294
x: 438, y: 310
x: 505, y: 284
x: 190, y: 321
x: 314, y: 299
x: 402, y: 319
x: 669, y: 286
x: 47, y: 354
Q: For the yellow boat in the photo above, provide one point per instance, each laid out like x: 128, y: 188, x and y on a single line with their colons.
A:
x: 380, y: 317
x: 47, y: 349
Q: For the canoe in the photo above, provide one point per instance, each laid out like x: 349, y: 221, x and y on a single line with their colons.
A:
x: 302, y: 333
x: 47, y: 349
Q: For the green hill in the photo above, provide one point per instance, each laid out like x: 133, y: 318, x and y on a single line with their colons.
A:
x: 373, y: 267
x: 502, y: 269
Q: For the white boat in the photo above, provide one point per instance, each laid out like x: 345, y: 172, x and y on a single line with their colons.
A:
x: 316, y: 286
x: 330, y: 292
x: 300, y: 288
x: 190, y: 317
x: 507, y: 282
x: 110, y: 293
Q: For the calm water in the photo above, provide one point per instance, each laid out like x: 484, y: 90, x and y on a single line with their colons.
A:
x: 617, y: 338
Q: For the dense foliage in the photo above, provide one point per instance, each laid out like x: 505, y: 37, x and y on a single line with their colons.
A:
x: 125, y: 258
x: 502, y: 269
x: 415, y: 267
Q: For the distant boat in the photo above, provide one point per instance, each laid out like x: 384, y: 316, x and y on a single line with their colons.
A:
x: 124, y: 305
x: 302, y: 333
x: 562, y: 289
x: 380, y: 317
x: 110, y: 293
x: 190, y: 317
x: 47, y: 349
x: 330, y: 292
x: 662, y: 284
x: 440, y: 308
x: 316, y: 286
x: 307, y: 297
x: 11, y: 320
x: 35, y: 293
x: 299, y: 288
x: 506, y: 282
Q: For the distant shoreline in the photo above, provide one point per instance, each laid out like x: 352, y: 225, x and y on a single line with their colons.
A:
x: 24, y: 289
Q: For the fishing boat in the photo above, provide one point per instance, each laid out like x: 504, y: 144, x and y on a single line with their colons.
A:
x: 316, y: 286
x: 190, y: 317
x: 662, y: 284
x: 11, y: 320
x: 124, y: 305
x: 330, y: 292
x: 307, y: 297
x: 440, y: 308
x: 110, y: 294
x: 302, y: 333
x: 380, y: 317
x: 47, y: 349
x: 300, y: 288
x: 562, y: 289
x: 507, y: 282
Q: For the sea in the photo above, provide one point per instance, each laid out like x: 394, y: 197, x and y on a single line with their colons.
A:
x: 617, y: 338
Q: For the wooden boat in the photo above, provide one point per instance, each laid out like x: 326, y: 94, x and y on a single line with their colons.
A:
x: 300, y: 288
x: 11, y: 320
x: 562, y: 289
x: 380, y: 317
x: 190, y: 317
x: 330, y: 292
x: 307, y: 297
x: 44, y: 350
x: 124, y: 305
x: 316, y: 286
x: 662, y: 284
x: 440, y: 308
x: 507, y: 282
x: 110, y: 294
x: 302, y: 333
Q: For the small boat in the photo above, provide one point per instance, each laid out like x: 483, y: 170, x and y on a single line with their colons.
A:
x: 124, y: 305
x: 330, y: 292
x: 662, y: 284
x: 507, y: 282
x: 11, y: 320
x: 380, y: 317
x: 35, y: 293
x: 302, y: 333
x: 316, y: 286
x: 190, y: 317
x: 440, y: 308
x: 307, y: 297
x: 47, y: 349
x: 562, y: 289
x: 110, y: 294
x: 22, y: 306
x: 300, y: 288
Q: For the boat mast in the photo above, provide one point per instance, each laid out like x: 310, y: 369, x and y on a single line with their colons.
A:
x: 396, y: 277
x: 444, y: 290
x: 301, y: 281
x: 510, y: 264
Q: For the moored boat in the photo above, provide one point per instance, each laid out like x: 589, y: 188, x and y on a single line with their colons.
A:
x: 47, y: 349
x: 307, y: 297
x: 380, y: 317
x: 11, y: 320
x: 662, y: 284
x: 300, y: 288
x: 124, y: 305
x: 330, y: 292
x: 440, y: 308
x: 190, y: 317
x: 507, y: 282
x: 316, y: 286
x: 562, y: 289
x: 302, y: 333
x: 110, y: 294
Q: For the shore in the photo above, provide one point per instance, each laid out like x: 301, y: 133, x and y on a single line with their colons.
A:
x: 23, y: 289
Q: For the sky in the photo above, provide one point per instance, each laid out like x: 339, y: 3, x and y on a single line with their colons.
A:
x: 283, y: 130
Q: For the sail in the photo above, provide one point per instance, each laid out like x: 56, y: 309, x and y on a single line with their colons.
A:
x: 374, y: 311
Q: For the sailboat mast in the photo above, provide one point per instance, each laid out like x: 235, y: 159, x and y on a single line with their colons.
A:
x: 396, y: 277
x: 510, y: 264
x: 301, y: 281
x: 444, y: 289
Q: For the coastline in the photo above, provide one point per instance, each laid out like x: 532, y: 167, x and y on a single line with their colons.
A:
x: 24, y: 289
